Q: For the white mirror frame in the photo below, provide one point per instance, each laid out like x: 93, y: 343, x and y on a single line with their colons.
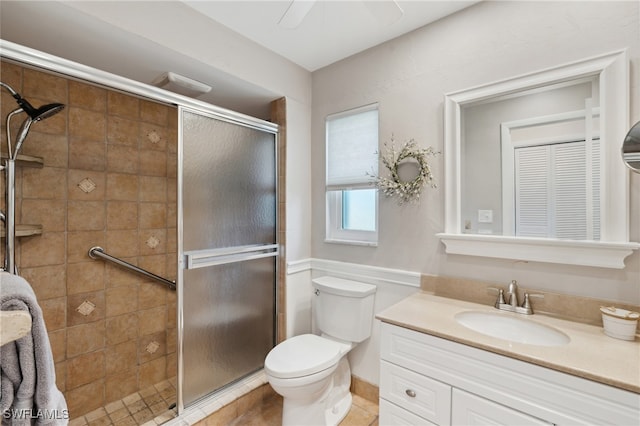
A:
x: 613, y: 246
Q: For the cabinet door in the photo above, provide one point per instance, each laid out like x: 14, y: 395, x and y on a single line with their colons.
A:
x: 471, y: 410
x: 392, y: 415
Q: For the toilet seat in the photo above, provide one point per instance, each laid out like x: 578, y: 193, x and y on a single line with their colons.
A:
x: 303, y: 355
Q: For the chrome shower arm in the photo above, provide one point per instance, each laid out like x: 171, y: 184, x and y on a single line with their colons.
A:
x: 10, y: 90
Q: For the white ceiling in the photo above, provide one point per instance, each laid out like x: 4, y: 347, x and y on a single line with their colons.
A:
x: 82, y: 32
x: 331, y: 31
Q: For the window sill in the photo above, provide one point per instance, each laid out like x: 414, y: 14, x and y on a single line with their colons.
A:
x: 351, y: 242
x: 585, y: 253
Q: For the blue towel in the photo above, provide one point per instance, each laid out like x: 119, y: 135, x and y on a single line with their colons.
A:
x: 28, y: 392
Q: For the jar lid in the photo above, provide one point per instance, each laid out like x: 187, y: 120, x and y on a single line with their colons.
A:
x: 620, y: 313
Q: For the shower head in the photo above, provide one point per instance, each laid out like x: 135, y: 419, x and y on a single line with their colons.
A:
x: 37, y: 114
x: 34, y: 114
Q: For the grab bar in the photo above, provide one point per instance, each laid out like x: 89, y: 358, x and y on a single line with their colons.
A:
x: 98, y: 252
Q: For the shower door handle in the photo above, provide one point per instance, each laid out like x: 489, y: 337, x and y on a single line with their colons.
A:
x: 204, y: 258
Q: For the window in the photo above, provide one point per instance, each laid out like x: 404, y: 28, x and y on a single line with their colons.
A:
x: 352, y: 205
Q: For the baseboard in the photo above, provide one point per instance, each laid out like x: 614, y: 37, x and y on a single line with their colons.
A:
x: 365, y: 390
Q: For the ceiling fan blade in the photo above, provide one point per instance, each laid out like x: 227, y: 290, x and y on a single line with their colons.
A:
x: 386, y: 12
x: 296, y: 13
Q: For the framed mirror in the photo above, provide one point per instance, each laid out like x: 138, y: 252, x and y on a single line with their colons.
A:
x: 631, y: 148
x: 533, y: 170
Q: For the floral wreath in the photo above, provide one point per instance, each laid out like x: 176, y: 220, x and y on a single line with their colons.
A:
x: 408, y: 191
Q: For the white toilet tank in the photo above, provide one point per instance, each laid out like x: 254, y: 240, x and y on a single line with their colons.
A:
x: 343, y: 308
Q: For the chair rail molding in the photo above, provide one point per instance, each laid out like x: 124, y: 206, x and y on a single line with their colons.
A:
x: 365, y: 273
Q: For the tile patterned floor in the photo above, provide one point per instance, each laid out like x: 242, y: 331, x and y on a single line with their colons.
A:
x: 269, y: 413
x: 147, y: 407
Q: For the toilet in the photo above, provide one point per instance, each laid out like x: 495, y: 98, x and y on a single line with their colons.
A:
x: 312, y: 372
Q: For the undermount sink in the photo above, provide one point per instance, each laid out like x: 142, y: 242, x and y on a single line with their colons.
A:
x: 512, y: 329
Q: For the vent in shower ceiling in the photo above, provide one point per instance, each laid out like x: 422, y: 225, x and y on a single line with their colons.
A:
x: 180, y: 84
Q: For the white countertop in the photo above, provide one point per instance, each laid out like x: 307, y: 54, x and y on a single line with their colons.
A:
x: 590, y: 354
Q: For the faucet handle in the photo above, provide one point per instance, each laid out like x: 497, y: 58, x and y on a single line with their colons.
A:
x: 526, y: 304
x: 500, y: 299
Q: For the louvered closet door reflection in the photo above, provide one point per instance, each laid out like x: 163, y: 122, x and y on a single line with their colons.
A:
x: 557, y: 191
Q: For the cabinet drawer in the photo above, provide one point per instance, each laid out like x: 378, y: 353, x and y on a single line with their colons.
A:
x: 472, y: 410
x: 392, y: 415
x: 421, y: 395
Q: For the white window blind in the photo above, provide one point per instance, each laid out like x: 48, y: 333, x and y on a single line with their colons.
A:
x: 352, y: 143
x: 558, y: 191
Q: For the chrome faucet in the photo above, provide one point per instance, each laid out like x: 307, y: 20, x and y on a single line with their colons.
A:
x: 512, y: 304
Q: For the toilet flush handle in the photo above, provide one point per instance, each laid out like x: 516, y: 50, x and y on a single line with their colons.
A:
x: 317, y: 292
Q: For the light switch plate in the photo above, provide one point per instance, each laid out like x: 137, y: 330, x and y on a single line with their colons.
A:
x: 485, y: 216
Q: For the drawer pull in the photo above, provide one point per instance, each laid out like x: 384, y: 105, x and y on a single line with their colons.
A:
x: 411, y: 393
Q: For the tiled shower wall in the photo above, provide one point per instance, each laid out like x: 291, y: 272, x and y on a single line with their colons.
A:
x: 109, y: 180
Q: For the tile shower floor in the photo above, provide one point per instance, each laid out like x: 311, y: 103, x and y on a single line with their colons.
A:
x: 147, y: 407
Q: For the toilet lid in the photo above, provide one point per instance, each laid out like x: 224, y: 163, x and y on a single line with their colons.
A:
x: 303, y: 355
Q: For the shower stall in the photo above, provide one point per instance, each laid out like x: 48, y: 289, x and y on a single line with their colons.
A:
x: 209, y: 220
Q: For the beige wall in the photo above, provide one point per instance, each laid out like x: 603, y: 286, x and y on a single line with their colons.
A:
x: 409, y: 76
x: 127, y: 147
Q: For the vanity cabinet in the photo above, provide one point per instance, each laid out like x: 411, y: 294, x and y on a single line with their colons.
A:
x: 428, y: 380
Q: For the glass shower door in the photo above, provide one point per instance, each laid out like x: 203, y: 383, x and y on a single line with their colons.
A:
x: 228, y: 249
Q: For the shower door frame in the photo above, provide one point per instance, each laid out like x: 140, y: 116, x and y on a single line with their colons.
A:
x: 251, y: 123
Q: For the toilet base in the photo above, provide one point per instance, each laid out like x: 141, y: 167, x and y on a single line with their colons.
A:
x: 339, y: 411
x: 327, y: 410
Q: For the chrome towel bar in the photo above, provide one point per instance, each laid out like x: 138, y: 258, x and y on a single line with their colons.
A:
x: 98, y: 252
